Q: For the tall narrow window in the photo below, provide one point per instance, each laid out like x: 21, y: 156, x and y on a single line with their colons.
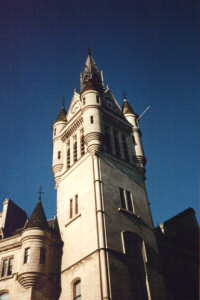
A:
x: 124, y: 142
x: 59, y: 154
x: 122, y: 197
x: 82, y: 143
x: 4, y: 267
x: 26, y: 255
x: 117, y: 145
x: 83, y: 100
x: 126, y: 200
x: 68, y: 157
x: 70, y: 208
x: 77, y: 290
x: 75, y: 148
x: 132, y: 244
x: 10, y: 266
x: 42, y: 255
x: 91, y: 119
x: 98, y: 98
x: 129, y: 201
x: 76, y: 204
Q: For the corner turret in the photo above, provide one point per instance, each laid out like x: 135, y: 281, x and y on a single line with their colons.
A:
x: 132, y: 118
x: 92, y: 87
x: 58, y: 126
x: 39, y: 248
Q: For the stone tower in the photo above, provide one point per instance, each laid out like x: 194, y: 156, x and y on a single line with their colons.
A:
x: 109, y: 245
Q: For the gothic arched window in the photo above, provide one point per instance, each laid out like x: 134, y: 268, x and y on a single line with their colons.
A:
x: 77, y: 290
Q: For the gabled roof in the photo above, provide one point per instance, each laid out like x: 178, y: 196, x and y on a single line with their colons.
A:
x: 14, y: 218
x: 38, y: 218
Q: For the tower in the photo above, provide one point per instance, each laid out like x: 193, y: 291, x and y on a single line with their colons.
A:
x: 109, y: 245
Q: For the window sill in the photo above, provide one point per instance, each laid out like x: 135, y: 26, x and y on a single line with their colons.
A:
x: 136, y: 217
x: 6, y: 277
x: 128, y: 212
x: 72, y: 220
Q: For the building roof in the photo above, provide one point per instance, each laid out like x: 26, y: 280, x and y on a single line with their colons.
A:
x: 38, y: 218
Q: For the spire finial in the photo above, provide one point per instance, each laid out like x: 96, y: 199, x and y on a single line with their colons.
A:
x: 63, y: 101
x: 40, y: 192
x: 89, y: 51
x: 124, y: 96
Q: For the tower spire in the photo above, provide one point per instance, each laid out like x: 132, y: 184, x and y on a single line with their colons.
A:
x: 91, y: 77
x: 40, y: 192
x: 90, y: 51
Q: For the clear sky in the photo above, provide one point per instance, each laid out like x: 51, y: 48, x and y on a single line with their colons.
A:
x: 150, y: 49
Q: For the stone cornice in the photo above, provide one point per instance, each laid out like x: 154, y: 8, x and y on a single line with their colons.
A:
x: 17, y: 244
x: 117, y: 121
x: 70, y: 130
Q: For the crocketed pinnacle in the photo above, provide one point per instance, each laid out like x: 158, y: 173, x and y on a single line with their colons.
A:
x: 38, y: 218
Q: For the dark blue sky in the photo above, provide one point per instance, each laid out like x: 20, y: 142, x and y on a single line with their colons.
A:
x: 150, y: 49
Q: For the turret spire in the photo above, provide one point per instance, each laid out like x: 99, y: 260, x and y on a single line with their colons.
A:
x: 62, y: 113
x: 127, y: 108
x: 38, y: 218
